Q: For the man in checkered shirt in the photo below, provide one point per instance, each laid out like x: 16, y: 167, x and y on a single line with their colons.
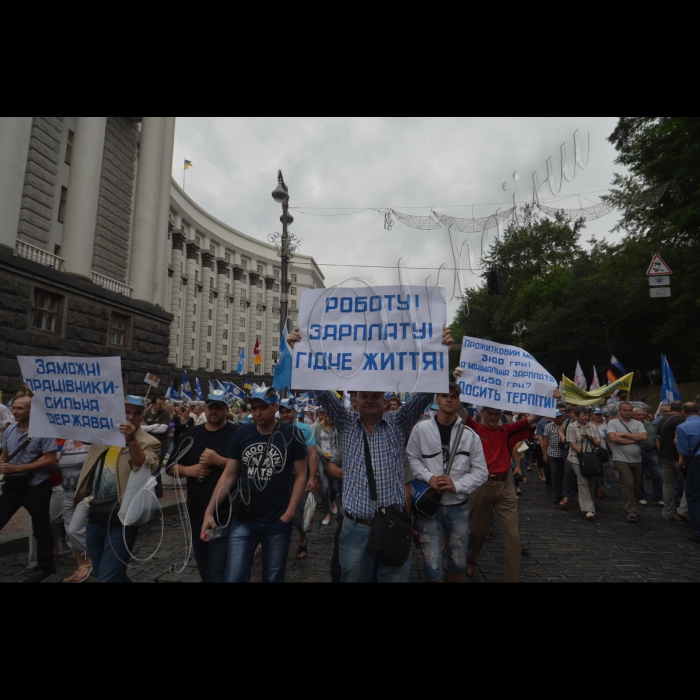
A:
x: 555, y: 453
x: 388, y: 435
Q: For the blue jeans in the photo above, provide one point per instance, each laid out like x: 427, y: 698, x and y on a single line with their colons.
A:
x: 109, y: 555
x: 330, y: 487
x: 358, y: 566
x: 243, y: 540
x: 210, y: 556
x: 454, y: 522
x: 651, y: 463
x: 692, y: 492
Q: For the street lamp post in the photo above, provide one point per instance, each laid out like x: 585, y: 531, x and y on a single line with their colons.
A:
x: 518, y: 329
x: 281, y: 196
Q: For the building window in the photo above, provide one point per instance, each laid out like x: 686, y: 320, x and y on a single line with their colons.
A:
x: 260, y: 298
x: 227, y: 303
x: 294, y: 303
x: 208, y: 347
x: 225, y: 318
x: 241, y: 338
x: 208, y: 364
x: 211, y: 315
x: 211, y: 298
x: 261, y: 270
x: 259, y: 325
x: 196, y: 275
x: 225, y: 335
x: 275, y: 342
x: 258, y: 369
x: 46, y: 311
x: 227, y: 257
x: 194, y: 327
x: 242, y: 323
x: 275, y: 313
x: 244, y: 308
x: 294, y: 279
x: 212, y: 249
x: 212, y: 284
x: 276, y: 289
x: 227, y: 288
x: 244, y: 294
x: 62, y: 205
x: 198, y: 241
x: 179, y: 304
x: 244, y: 264
x: 258, y: 337
x: 244, y: 279
x: 193, y: 345
x: 209, y: 331
x: 224, y: 366
x: 260, y: 284
x: 194, y: 309
x: 118, y: 329
x: 260, y: 311
x: 196, y: 292
x: 275, y: 357
x: 277, y: 274
x: 276, y: 301
x: 69, y: 147
x: 225, y: 350
x: 294, y: 291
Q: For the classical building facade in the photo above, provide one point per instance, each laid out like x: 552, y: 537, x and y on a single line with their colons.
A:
x: 102, y: 254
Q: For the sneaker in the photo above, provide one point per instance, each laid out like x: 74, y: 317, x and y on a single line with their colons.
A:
x: 334, y: 510
x: 590, y: 516
x: 326, y: 522
x: 643, y: 503
x: 633, y: 520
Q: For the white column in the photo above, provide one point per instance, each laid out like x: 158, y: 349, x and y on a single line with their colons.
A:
x: 235, y: 334
x: 80, y: 220
x: 176, y: 308
x: 15, y: 133
x: 221, y: 271
x: 204, y: 321
x: 190, y: 318
x: 143, y: 247
x: 269, y: 328
x: 160, y: 278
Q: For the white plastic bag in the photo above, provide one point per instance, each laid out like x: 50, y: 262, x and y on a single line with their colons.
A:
x: 309, y: 512
x: 140, y: 504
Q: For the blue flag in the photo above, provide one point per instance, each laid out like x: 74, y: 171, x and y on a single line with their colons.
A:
x: 283, y: 368
x: 169, y: 393
x: 200, y: 395
x: 241, y: 363
x: 220, y: 386
x: 211, y: 387
x: 669, y: 391
x: 187, y: 388
x: 236, y: 392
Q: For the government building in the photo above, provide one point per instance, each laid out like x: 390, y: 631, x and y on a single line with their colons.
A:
x: 103, y: 254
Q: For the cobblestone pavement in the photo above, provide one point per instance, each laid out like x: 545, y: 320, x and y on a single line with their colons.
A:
x: 563, y: 547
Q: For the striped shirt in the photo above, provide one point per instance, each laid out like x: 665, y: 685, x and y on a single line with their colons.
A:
x: 387, y: 447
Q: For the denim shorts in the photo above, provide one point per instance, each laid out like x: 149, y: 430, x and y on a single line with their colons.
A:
x: 453, y: 522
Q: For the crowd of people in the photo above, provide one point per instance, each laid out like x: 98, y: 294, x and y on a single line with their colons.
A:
x: 430, y: 473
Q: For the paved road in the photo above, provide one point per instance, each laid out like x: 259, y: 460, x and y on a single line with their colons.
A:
x: 563, y: 547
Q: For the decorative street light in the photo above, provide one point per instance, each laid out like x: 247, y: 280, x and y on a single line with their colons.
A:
x: 281, y: 196
x: 518, y: 329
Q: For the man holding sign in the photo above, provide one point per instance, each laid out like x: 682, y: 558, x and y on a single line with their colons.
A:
x: 373, y: 442
x: 501, y: 377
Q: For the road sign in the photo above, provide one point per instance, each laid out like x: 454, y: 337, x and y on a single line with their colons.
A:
x: 660, y: 281
x: 658, y: 267
x: 660, y: 293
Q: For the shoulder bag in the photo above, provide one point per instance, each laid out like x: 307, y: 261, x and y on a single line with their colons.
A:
x: 15, y: 483
x: 391, y: 529
x: 103, y: 510
x: 426, y: 500
x: 242, y: 502
x: 590, y: 462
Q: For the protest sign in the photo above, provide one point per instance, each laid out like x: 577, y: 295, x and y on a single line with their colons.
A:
x: 506, y: 377
x: 372, y: 339
x: 152, y: 381
x: 575, y: 395
x: 76, y: 398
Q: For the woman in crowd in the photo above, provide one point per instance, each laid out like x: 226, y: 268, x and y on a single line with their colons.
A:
x: 327, y: 440
x: 75, y: 515
x: 183, y: 422
x: 601, y: 425
x: 582, y: 436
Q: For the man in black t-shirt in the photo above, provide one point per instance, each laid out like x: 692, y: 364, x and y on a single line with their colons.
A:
x: 669, y: 459
x: 157, y: 424
x: 203, y: 465
x: 270, y: 460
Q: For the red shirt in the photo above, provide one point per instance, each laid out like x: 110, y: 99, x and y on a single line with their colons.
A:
x: 499, y: 443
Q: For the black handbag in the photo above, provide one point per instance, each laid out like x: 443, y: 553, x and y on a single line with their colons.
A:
x: 242, y: 502
x: 16, y: 483
x: 591, y: 462
x: 391, y: 529
x: 103, y: 511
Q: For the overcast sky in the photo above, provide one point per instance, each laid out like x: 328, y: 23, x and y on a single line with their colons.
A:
x: 411, y: 164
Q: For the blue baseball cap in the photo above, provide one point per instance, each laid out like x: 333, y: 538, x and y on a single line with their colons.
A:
x: 217, y: 397
x: 598, y: 412
x: 288, y: 404
x: 266, y: 394
x: 559, y: 414
x: 135, y: 401
x: 248, y: 420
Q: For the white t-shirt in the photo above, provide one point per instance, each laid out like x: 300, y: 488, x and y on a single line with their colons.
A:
x: 629, y: 454
x: 5, y: 417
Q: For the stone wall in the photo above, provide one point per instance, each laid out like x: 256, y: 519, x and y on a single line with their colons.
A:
x: 114, y: 212
x: 38, y: 197
x: 85, y: 327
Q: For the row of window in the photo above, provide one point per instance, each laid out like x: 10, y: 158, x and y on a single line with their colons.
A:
x: 48, y: 311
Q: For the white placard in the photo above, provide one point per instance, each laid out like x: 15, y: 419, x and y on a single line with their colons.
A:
x: 506, y: 377
x: 660, y: 293
x: 372, y: 339
x: 76, y: 398
x: 660, y: 281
